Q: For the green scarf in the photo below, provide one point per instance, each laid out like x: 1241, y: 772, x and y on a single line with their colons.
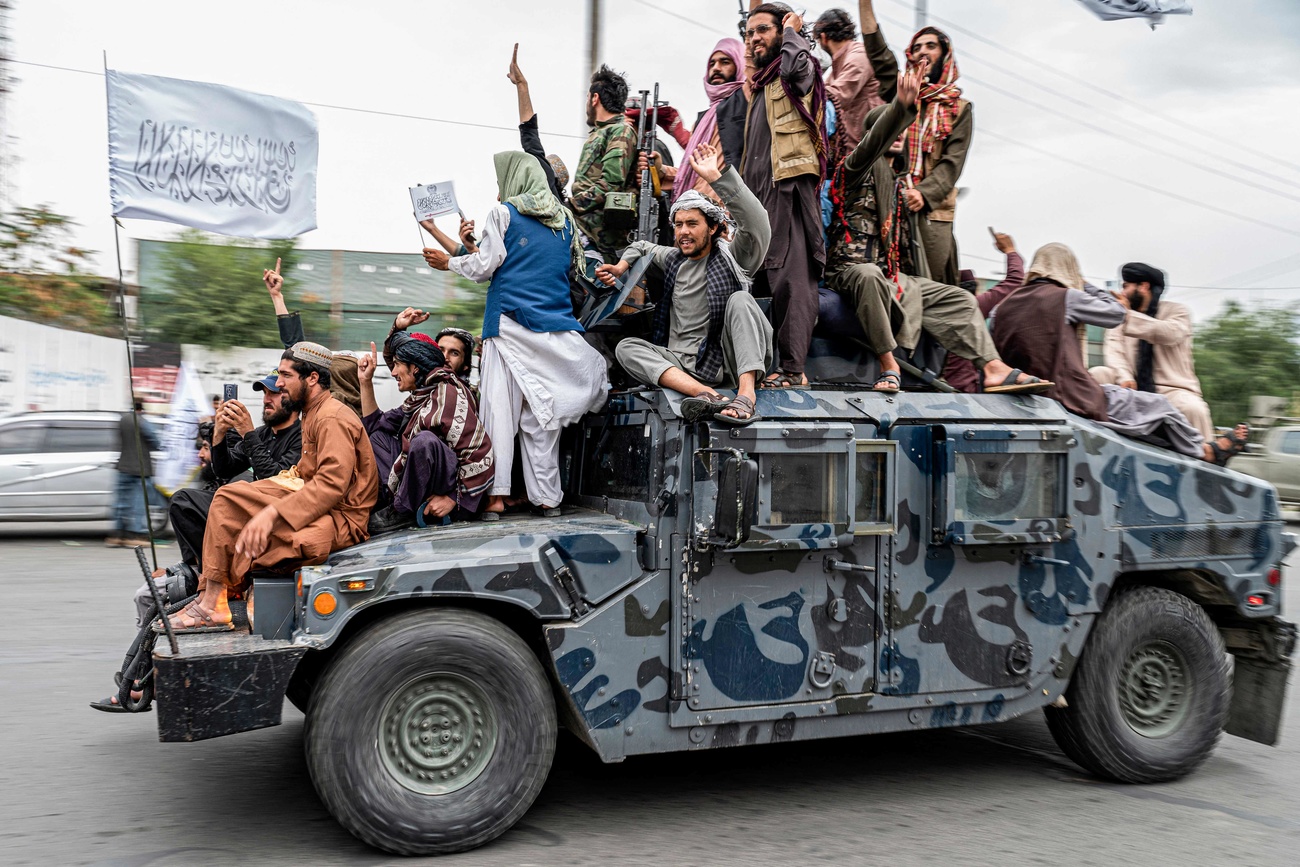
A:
x: 522, y: 183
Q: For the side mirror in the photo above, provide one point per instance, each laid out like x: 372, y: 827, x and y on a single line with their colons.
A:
x: 737, y: 498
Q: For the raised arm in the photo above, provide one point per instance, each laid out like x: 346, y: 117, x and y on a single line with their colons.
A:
x: 290, y: 324
x: 1092, y: 306
x: 753, y: 228
x: 1015, y: 275
x: 898, y: 115
x: 797, y: 68
x: 883, y: 61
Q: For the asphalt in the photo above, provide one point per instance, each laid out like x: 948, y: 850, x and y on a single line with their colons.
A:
x: 81, y: 787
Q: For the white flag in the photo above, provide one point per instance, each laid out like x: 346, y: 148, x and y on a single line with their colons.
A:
x: 211, y: 157
x: 1152, y: 10
x: 434, y: 200
x: 189, y: 404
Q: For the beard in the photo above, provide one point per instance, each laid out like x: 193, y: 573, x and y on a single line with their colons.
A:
x: 772, y: 53
x: 278, y: 416
x: 206, y: 475
x: 591, y: 115
x: 294, y: 401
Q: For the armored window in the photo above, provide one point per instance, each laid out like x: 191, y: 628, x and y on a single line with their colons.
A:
x: 1291, y: 443
x: 999, y: 485
x: 873, y: 491
x: 616, y: 461
x: 1009, y: 486
x: 805, y: 489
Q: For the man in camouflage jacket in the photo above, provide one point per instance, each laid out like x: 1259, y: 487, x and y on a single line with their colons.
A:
x: 608, y: 157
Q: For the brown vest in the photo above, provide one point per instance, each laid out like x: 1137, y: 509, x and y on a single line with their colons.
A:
x: 1031, y: 333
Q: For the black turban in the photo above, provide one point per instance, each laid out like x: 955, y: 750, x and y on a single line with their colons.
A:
x: 418, y: 350
x: 1138, y: 272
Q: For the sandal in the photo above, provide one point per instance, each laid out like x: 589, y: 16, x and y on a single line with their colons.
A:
x: 1236, y: 445
x: 702, y: 405
x: 781, y: 379
x: 111, y: 705
x: 891, y: 380
x: 739, y: 404
x: 1013, y: 384
x: 200, y: 617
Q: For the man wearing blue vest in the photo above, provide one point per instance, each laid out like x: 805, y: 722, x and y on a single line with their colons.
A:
x: 708, y: 329
x: 537, y: 374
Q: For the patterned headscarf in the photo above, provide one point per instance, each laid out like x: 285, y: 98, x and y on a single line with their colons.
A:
x: 936, y: 108
x: 708, y: 122
x: 522, y: 184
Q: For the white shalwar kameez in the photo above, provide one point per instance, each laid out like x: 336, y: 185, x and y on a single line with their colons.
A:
x: 530, y: 383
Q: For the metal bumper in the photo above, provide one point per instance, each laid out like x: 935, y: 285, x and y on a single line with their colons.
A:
x: 220, y: 684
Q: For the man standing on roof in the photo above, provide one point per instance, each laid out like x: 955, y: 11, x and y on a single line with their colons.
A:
x: 607, y: 161
x: 851, y: 85
x: 784, y: 163
x: 1152, y: 350
x: 708, y: 328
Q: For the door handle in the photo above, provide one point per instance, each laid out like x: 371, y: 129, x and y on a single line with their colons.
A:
x: 25, y: 465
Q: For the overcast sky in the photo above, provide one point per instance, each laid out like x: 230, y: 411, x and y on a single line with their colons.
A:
x: 1229, y: 73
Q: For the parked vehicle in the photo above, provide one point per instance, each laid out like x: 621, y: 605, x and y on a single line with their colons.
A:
x: 60, y: 466
x: 853, y: 563
x: 1276, y: 460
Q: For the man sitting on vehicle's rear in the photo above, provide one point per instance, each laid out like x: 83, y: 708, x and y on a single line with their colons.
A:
x: 299, y: 516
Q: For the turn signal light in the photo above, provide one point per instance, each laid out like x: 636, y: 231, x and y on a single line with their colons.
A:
x: 355, y: 585
x: 1256, y: 601
x: 1275, y: 576
x: 324, y: 603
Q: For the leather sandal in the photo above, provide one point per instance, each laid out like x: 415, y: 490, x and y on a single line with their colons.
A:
x: 201, y: 618
x: 702, y: 405
x: 740, y: 404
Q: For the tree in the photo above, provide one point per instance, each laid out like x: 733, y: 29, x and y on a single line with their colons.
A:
x: 1241, y: 353
x: 211, y: 292
x: 41, y: 277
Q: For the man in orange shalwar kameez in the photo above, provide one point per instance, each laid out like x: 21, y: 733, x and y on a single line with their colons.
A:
x: 298, y: 517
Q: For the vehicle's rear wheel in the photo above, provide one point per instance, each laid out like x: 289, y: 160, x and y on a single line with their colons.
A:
x: 432, y: 732
x: 1151, y: 692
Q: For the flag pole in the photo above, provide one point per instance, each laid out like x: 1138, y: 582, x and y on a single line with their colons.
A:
x: 130, y: 363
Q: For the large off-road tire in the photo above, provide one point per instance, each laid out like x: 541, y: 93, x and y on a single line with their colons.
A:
x: 432, y: 732
x: 1151, y: 693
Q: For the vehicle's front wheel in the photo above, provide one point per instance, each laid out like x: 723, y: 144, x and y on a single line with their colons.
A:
x: 432, y: 732
x: 1151, y: 692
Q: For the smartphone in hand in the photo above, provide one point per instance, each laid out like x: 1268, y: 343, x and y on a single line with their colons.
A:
x: 229, y: 391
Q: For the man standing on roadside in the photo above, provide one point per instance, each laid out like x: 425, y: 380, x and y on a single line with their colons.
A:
x: 608, y: 156
x: 131, y: 512
x: 784, y: 163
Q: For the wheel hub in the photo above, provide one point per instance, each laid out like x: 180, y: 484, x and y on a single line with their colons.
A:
x: 1153, y: 689
x: 437, y: 733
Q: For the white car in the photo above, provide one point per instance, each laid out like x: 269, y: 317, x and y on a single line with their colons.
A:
x: 61, y: 466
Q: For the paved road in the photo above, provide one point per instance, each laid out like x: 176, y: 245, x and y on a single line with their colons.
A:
x: 80, y: 787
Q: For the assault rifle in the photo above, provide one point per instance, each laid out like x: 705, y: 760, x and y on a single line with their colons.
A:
x: 647, y: 203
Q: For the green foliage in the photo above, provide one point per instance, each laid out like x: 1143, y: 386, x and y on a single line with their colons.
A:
x: 1241, y: 353
x: 466, y: 311
x: 41, y: 277
x: 211, y: 293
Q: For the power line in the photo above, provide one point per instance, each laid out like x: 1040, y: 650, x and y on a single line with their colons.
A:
x: 1040, y: 65
x: 340, y: 107
x: 1154, y: 189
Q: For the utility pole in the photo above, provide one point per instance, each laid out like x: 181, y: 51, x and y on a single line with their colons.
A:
x: 593, y: 36
x: 6, y: 86
x: 920, y: 13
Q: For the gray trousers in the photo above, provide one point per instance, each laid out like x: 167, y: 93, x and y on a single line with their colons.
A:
x: 746, y: 348
x: 948, y: 313
x: 940, y: 249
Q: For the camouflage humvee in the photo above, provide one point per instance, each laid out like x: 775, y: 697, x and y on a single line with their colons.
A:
x: 853, y: 563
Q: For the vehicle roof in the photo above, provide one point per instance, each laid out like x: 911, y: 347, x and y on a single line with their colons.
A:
x: 62, y: 415
x: 857, y: 403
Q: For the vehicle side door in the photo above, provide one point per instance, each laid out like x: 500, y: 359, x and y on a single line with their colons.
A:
x: 1286, y: 465
x: 78, y: 475
x: 788, y: 615
x: 20, y: 449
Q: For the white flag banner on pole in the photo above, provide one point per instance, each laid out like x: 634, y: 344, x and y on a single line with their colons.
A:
x: 189, y: 404
x: 1152, y: 10
x: 210, y: 156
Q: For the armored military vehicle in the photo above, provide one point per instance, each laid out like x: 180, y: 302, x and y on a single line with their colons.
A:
x: 853, y: 563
